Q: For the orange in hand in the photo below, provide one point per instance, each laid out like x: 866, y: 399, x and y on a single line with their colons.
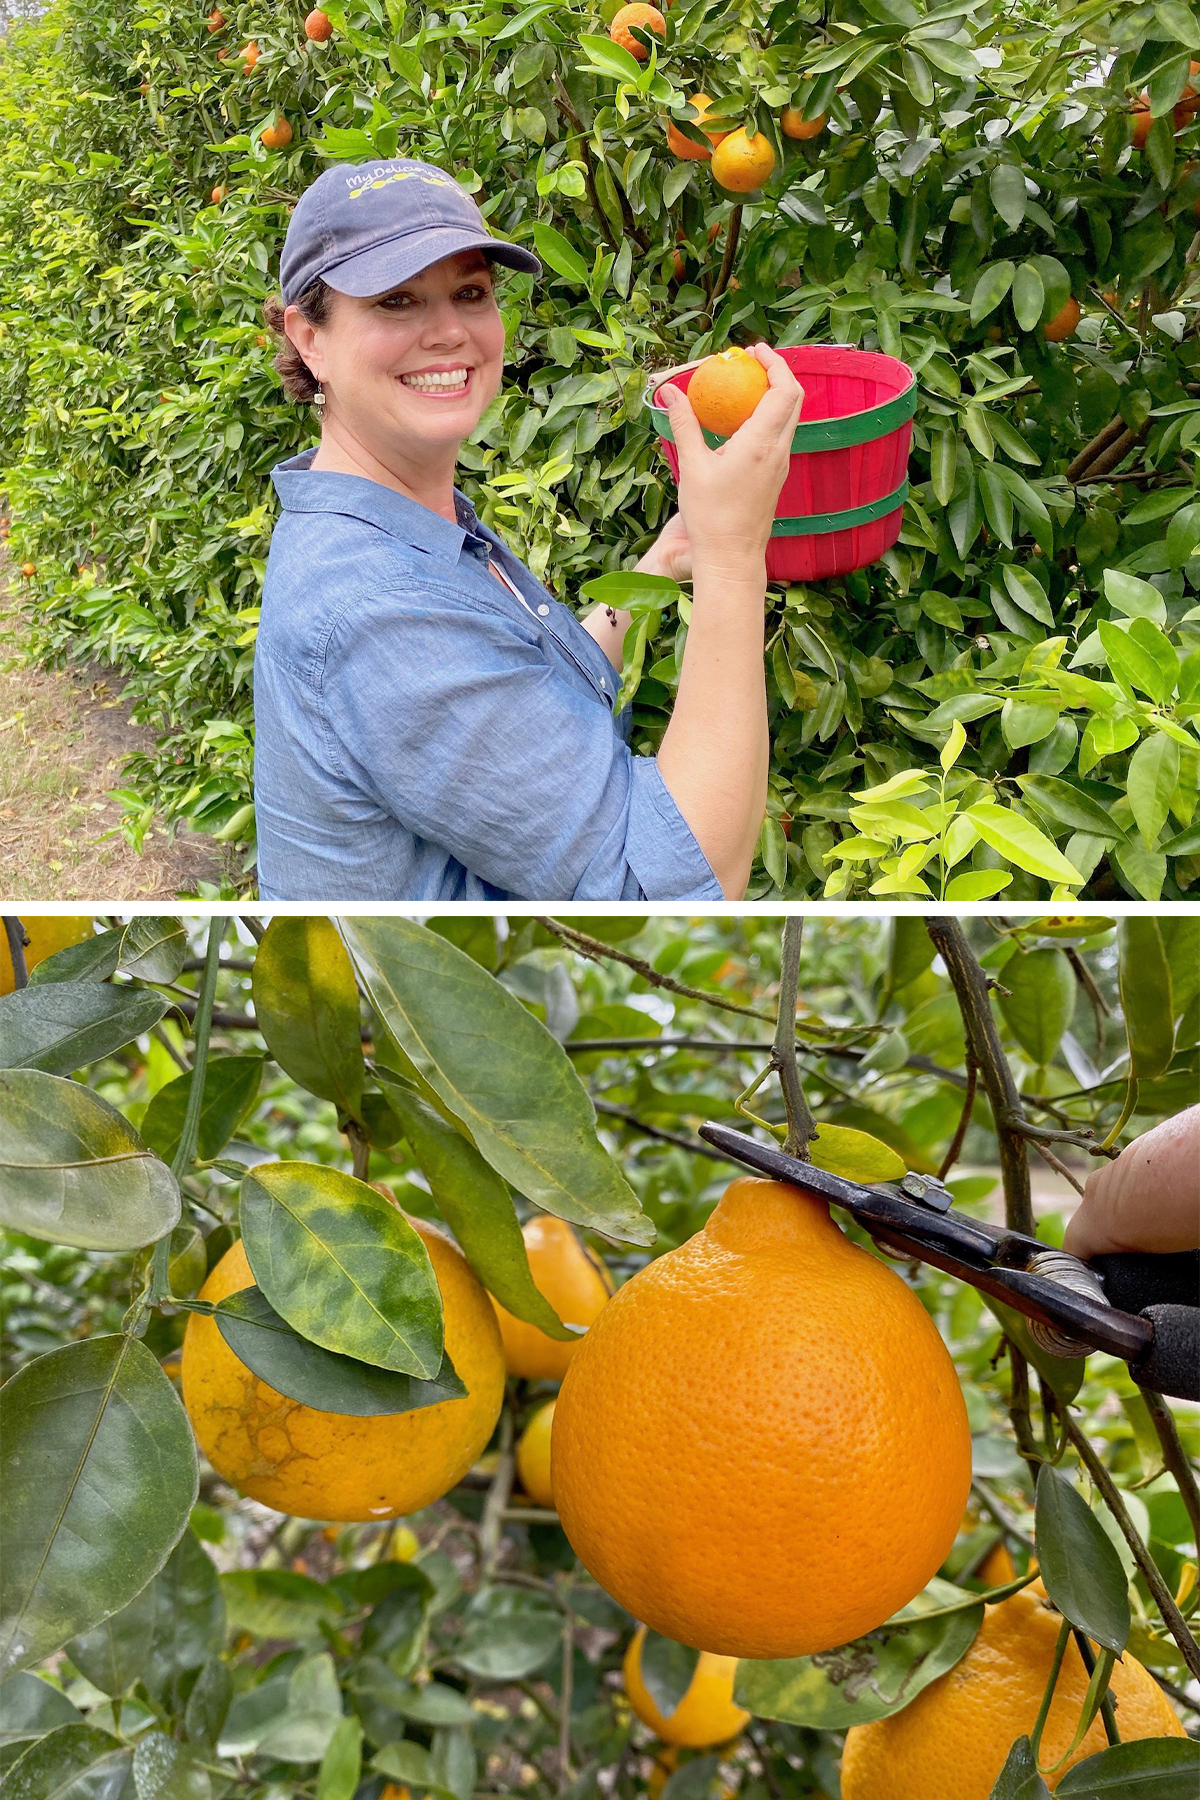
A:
x: 647, y: 17
x: 726, y: 388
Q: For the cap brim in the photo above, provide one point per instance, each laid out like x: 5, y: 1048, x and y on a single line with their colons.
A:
x: 383, y: 266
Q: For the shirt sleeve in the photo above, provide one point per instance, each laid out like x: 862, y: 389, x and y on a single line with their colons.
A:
x: 451, y: 718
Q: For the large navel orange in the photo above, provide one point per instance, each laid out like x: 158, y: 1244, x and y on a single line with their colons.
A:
x: 761, y: 1447
x: 741, y: 163
x: 322, y: 1465
x: 705, y: 1716
x: 950, y: 1744
x: 576, y: 1284
x: 726, y: 388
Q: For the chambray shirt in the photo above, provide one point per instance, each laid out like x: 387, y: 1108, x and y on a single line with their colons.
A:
x: 421, y: 733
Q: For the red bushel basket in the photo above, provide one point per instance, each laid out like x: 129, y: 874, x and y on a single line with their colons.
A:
x: 842, y: 503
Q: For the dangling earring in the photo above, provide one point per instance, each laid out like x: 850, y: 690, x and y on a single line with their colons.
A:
x: 319, y: 398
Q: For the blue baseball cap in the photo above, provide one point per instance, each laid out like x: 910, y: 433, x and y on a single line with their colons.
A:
x: 365, y: 227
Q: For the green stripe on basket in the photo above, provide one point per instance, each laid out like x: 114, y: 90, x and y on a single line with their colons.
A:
x: 816, y: 434
x: 812, y: 523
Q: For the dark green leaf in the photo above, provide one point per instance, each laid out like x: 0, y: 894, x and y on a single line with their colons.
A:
x: 277, y: 1603
x: 231, y: 1086
x: 341, y: 1764
x: 306, y: 1004
x: 1040, y: 1002
x: 93, y: 960
x: 498, y: 1070
x: 1151, y: 780
x: 321, y: 1378
x: 1019, y: 1778
x: 73, y: 1762
x: 154, y: 949
x: 74, y: 1171
x: 478, y: 1208
x: 342, y: 1266
x: 99, y: 1476
x: 1080, y: 1568
x: 1144, y: 978
x: 1166, y: 1768
x: 991, y: 287
x: 62, y: 1025
x: 208, y: 1705
x: 1069, y: 805
x: 507, y: 1633
x: 30, y: 1707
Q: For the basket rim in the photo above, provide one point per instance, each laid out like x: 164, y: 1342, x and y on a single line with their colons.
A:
x: 813, y: 429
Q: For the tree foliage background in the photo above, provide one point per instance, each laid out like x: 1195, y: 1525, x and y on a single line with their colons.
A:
x: 978, y: 169
x: 465, y: 1652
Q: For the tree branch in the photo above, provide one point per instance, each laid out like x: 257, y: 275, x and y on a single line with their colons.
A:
x: 596, y: 951
x: 801, y: 1124
x: 17, y: 937
x: 964, y: 1120
x: 696, y: 1145
x: 1175, y: 1456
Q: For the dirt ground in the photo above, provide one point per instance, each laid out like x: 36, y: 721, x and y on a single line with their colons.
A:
x: 64, y: 737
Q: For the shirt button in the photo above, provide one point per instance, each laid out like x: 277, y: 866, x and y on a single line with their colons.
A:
x: 603, y: 682
x: 544, y: 611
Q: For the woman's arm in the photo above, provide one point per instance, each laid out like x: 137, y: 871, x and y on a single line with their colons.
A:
x: 608, y: 625
x: 715, y: 752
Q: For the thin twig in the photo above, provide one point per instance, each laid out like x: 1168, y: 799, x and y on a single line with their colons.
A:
x: 1058, y: 1165
x: 696, y: 1145
x: 801, y: 1124
x: 17, y: 937
x: 491, y: 1524
x: 964, y: 1120
x: 1000, y: 1513
x: 1172, y: 1617
x: 1175, y: 1456
x: 177, y: 1057
x: 596, y: 951
x: 255, y: 927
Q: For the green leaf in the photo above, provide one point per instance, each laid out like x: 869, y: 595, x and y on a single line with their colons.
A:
x: 306, y: 1004
x: 667, y: 1671
x: 175, y: 1624
x: 93, y: 960
x: 1014, y: 837
x: 303, y: 1371
x: 208, y: 1704
x: 278, y: 1603
x: 855, y: 1154
x: 342, y: 1265
x: 551, y: 246
x: 60, y: 1026
x: 1162, y: 1768
x: 498, y: 1070
x: 1069, y: 805
x: 99, y: 1472
x: 1144, y: 870
x: 1040, y: 1002
x: 1025, y: 722
x: 1132, y: 663
x: 993, y: 283
x: 1135, y: 598
x: 1007, y: 188
x: 943, y: 464
x: 154, y: 949
x: 478, y: 1208
x: 341, y: 1764
x: 30, y: 1707
x: 507, y: 1633
x: 1079, y: 1567
x: 978, y: 884
x: 1028, y: 592
x: 1144, y: 979
x: 1151, y: 782
x: 231, y: 1086
x: 74, y: 1171
x: 1029, y: 296
x: 73, y: 1762
x: 871, y: 1678
x: 1019, y: 1778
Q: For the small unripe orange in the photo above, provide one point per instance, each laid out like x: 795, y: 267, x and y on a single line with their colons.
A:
x: 218, y: 194
x: 277, y: 136
x: 144, y: 88
x: 318, y: 26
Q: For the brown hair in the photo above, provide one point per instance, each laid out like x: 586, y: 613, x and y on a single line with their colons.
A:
x: 299, y: 382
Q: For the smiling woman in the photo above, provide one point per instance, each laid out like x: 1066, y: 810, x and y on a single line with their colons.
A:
x: 430, y: 722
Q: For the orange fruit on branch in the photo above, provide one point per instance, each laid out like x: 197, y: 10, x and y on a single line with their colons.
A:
x: 318, y: 26
x: 533, y: 1457
x: 218, y: 194
x: 705, y: 1716
x: 1140, y: 122
x: 647, y: 17
x: 793, y: 124
x: 277, y: 136
x: 1063, y: 324
x: 216, y: 20
x: 576, y: 1284
x: 1185, y: 107
x: 726, y: 388
x: 761, y: 1447
x: 678, y: 265
x: 221, y: 55
x: 249, y: 56
x: 951, y: 1741
x: 322, y: 1465
x: 28, y: 569
x: 684, y: 146
x: 742, y: 163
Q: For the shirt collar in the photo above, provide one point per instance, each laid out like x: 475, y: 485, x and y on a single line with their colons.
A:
x: 362, y: 498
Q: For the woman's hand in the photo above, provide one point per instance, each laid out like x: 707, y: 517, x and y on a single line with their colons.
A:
x: 1148, y: 1199
x: 727, y: 496
x: 671, y: 552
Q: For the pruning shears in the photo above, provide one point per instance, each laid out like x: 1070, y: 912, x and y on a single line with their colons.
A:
x: 1142, y: 1308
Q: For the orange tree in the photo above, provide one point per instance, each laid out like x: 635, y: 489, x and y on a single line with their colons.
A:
x: 179, y: 1096
x: 1005, y: 196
